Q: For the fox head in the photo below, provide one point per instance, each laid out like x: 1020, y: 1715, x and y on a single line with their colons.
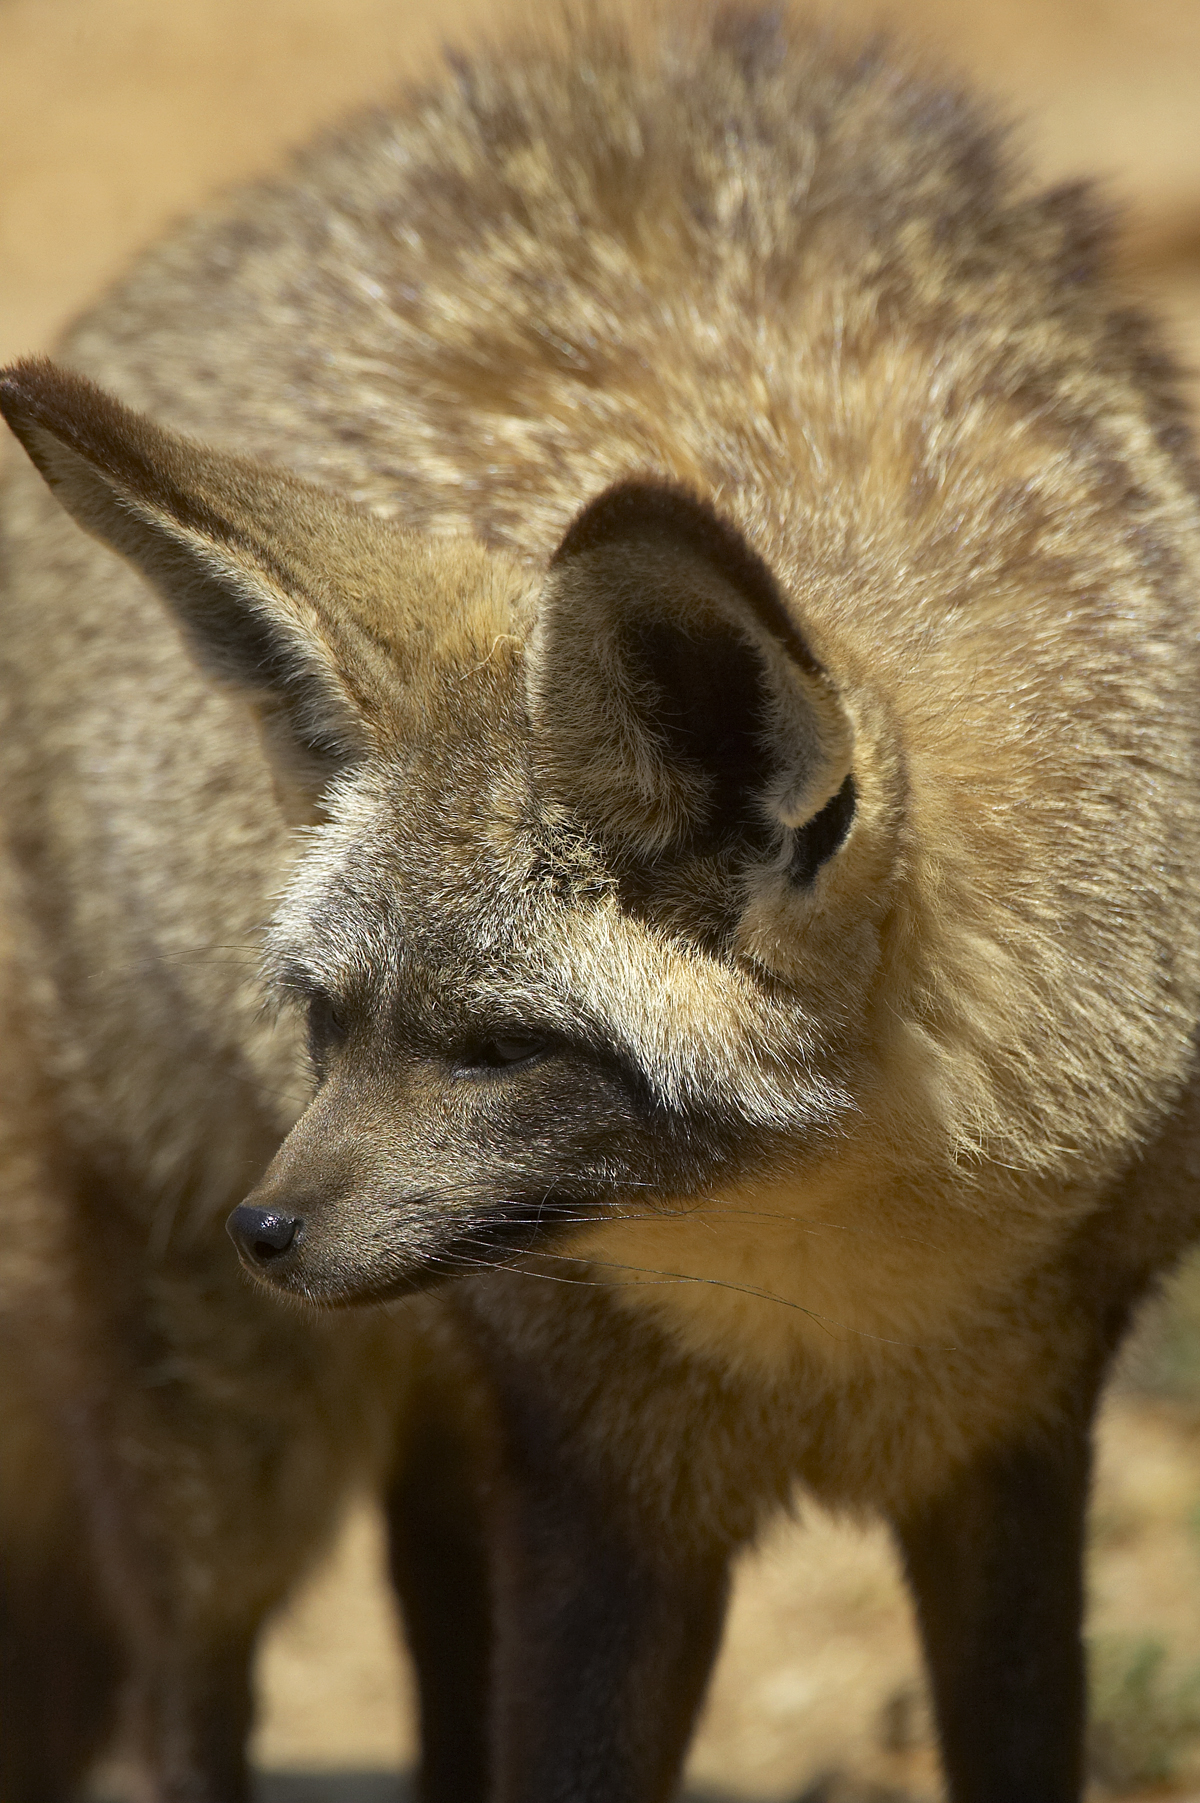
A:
x: 608, y: 895
x: 562, y: 929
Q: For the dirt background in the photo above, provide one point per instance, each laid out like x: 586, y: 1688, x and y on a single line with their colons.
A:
x: 117, y: 115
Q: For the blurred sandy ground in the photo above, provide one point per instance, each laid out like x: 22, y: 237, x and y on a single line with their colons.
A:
x: 116, y: 115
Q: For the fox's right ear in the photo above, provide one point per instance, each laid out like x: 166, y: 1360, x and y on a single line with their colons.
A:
x: 674, y: 700
x: 276, y: 582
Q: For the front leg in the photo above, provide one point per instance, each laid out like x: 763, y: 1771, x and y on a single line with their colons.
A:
x: 610, y: 1527
x: 996, y: 1567
x: 604, y: 1643
x: 439, y: 1548
x: 207, y: 1442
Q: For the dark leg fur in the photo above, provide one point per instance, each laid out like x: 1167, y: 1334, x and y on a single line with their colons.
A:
x: 202, y: 1485
x: 191, y: 1721
x: 59, y: 1674
x: 996, y: 1566
x: 604, y: 1647
x: 184, y: 1669
x: 609, y: 1582
x: 440, y: 1569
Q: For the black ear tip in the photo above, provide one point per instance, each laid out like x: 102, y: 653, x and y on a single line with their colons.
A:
x: 636, y: 505
x: 32, y: 375
x: 18, y: 387
x: 36, y: 392
x: 652, y: 507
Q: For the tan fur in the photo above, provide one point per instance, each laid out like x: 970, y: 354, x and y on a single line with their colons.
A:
x: 901, y: 956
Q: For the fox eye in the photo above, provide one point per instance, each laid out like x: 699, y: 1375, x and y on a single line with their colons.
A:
x: 326, y: 1026
x: 502, y: 1051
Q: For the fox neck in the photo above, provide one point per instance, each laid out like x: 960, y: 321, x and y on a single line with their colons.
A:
x: 842, y: 1270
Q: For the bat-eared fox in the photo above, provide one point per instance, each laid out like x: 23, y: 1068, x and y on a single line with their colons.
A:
x: 614, y: 772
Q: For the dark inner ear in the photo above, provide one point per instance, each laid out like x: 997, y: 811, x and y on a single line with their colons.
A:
x: 241, y: 644
x: 709, y: 709
x: 677, y: 705
x: 814, y: 843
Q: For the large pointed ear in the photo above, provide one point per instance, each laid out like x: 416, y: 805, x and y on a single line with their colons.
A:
x: 297, y: 597
x: 674, y: 698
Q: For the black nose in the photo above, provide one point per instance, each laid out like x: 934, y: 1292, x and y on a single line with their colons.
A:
x: 260, y: 1234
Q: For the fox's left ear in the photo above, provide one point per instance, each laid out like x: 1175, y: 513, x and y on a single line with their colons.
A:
x: 673, y: 697
x: 315, y: 611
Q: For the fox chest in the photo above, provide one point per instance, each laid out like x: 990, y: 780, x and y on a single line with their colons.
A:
x: 863, y: 1358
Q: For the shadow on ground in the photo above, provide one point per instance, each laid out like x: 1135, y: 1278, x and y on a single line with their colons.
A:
x: 382, y: 1787
x: 334, y: 1787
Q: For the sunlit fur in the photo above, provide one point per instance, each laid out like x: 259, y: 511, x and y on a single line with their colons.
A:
x: 837, y: 1170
